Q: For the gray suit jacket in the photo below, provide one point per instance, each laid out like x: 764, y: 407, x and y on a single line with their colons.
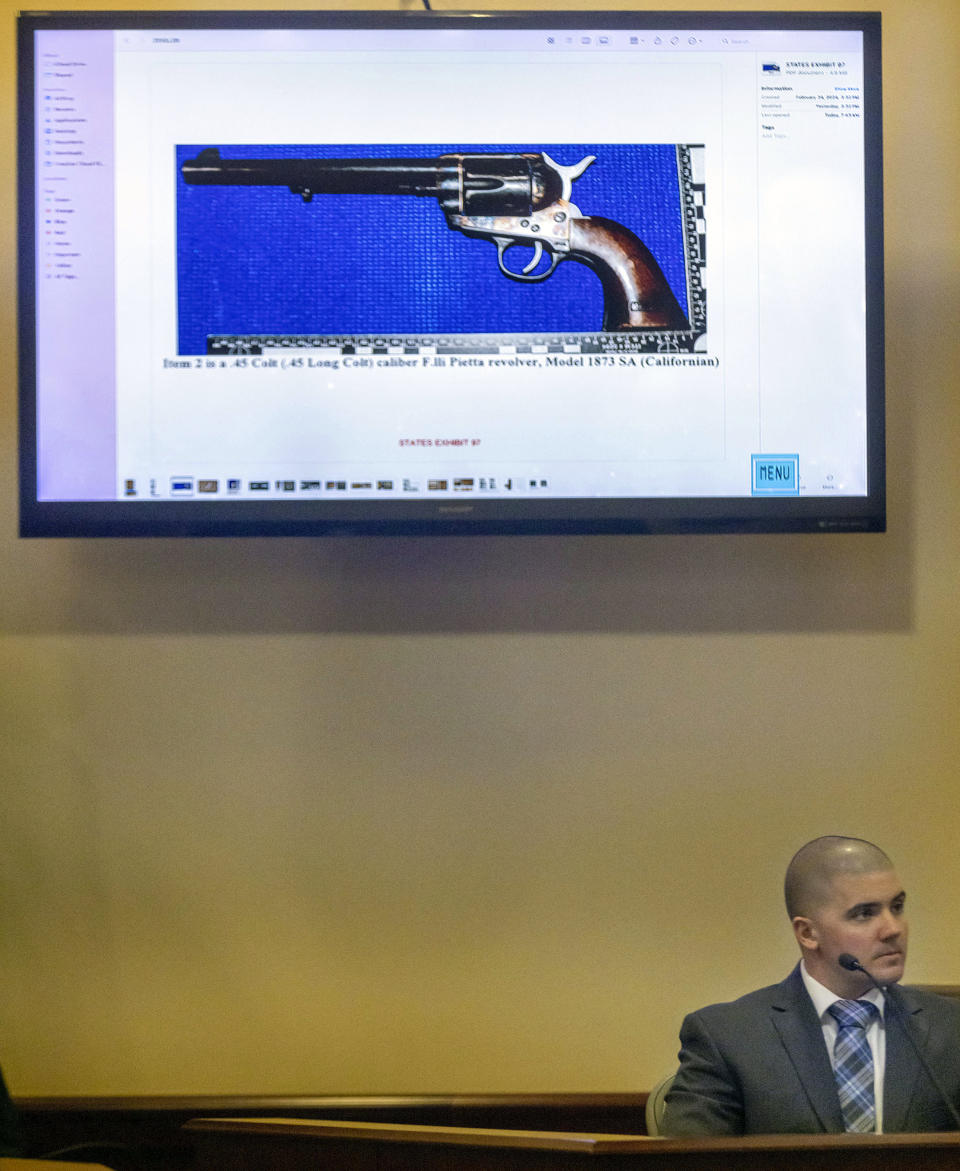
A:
x: 760, y: 1066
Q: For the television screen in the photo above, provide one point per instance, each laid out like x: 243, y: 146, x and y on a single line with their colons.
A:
x: 295, y: 273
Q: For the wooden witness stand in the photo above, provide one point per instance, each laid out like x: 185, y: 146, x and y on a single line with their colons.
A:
x: 47, y: 1165
x: 277, y: 1144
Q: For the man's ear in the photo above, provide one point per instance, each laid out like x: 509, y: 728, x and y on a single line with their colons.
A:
x: 806, y: 932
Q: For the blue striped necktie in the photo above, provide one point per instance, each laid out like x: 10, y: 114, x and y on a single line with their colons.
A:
x: 853, y: 1063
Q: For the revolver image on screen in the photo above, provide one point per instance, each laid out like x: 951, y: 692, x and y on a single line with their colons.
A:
x: 508, y: 199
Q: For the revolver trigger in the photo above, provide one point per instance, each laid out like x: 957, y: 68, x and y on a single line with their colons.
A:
x: 535, y: 259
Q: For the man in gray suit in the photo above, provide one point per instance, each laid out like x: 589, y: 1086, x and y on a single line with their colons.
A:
x: 790, y: 1059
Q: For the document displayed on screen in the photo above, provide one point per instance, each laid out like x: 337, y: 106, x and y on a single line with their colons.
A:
x: 333, y: 264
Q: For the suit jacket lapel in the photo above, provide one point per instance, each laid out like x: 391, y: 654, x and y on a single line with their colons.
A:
x: 799, y: 1028
x: 902, y: 1070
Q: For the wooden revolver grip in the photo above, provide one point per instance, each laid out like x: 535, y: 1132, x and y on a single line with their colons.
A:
x: 635, y: 292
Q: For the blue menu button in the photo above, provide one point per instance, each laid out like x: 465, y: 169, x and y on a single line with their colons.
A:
x: 775, y: 475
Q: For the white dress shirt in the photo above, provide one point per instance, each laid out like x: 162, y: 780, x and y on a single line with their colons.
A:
x: 876, y: 1033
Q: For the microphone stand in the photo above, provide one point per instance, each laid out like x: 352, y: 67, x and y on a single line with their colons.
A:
x: 852, y: 964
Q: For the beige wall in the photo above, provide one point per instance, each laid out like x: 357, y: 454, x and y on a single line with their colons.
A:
x: 447, y: 815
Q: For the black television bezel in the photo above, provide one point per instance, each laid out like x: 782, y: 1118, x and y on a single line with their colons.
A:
x: 172, y: 518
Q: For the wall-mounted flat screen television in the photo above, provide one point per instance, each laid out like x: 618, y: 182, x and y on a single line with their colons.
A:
x: 297, y: 273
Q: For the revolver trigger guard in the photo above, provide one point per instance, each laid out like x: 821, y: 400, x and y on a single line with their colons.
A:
x: 526, y: 273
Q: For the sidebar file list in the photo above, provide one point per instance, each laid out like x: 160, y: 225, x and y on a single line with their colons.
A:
x: 74, y: 153
x: 75, y: 262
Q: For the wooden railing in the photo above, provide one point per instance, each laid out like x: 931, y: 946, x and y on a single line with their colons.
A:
x: 150, y: 1130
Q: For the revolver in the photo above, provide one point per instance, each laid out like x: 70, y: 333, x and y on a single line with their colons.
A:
x: 520, y: 199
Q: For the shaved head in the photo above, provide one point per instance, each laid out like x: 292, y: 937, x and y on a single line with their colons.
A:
x: 815, y: 865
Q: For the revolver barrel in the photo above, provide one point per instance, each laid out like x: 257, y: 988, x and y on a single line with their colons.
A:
x: 480, y: 184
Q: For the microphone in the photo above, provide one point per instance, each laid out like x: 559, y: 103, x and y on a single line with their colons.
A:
x: 852, y: 964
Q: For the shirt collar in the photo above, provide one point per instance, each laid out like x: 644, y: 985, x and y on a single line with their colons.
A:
x: 822, y: 997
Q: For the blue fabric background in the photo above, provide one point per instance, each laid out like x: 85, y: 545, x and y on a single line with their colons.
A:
x: 259, y: 260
